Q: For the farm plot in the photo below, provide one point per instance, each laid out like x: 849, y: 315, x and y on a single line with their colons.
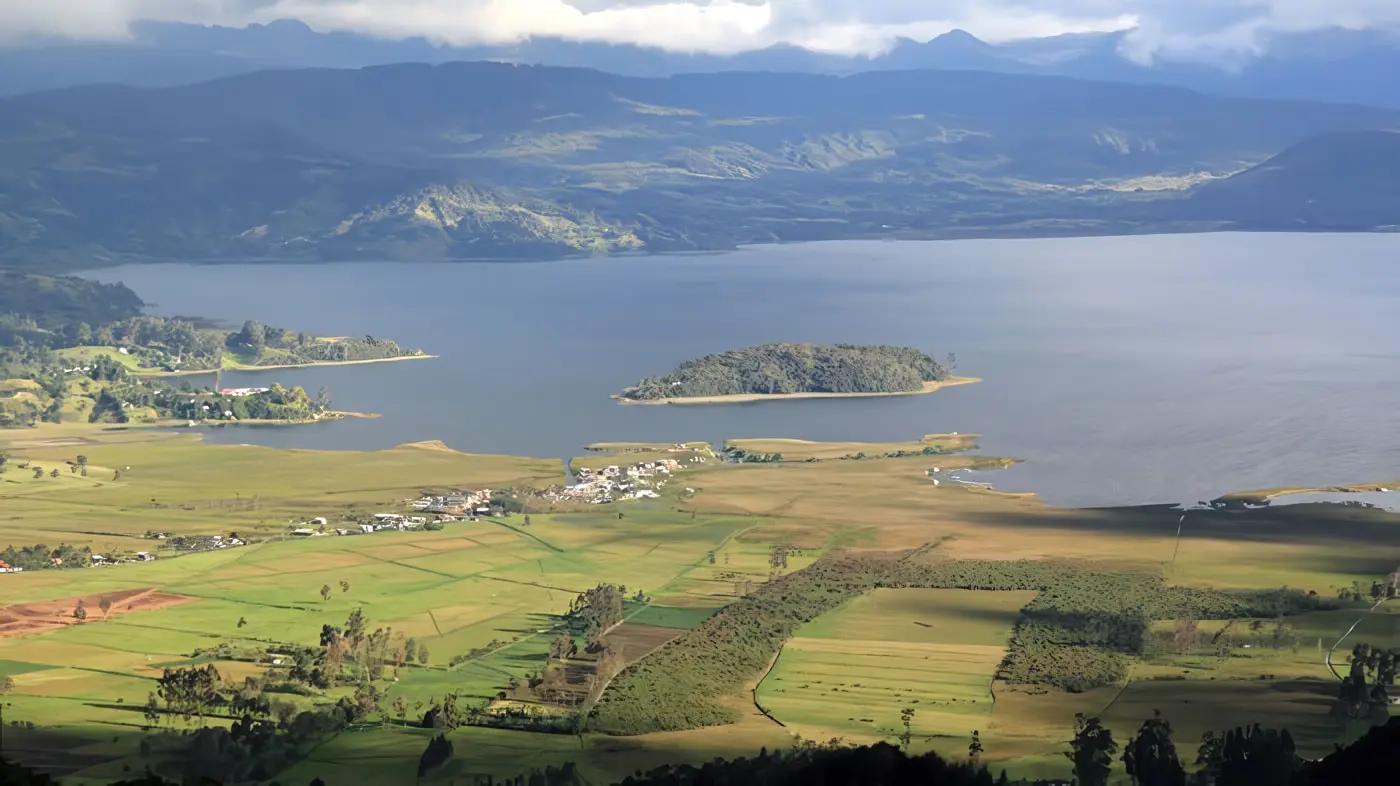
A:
x: 852, y: 672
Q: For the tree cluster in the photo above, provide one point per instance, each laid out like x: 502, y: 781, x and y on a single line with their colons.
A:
x: 269, y: 345
x: 795, y: 368
x: 596, y: 610
x: 1365, y: 691
x: 41, y: 557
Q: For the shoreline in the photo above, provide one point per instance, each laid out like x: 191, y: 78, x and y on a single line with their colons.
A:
x: 752, y: 398
x: 281, y: 367
x: 325, y: 417
x: 1264, y: 495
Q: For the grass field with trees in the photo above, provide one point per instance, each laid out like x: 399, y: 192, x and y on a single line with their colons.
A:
x: 653, y: 632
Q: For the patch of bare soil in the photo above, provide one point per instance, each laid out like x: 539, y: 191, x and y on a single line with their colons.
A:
x: 26, y: 618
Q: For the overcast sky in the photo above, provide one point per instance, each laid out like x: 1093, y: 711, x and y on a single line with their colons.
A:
x: 1205, y: 27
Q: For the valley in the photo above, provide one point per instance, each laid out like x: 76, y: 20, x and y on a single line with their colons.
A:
x: 484, y: 603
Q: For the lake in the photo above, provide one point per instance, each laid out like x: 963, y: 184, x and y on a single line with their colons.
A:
x: 1123, y: 370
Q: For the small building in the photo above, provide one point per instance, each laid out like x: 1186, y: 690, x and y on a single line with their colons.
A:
x: 145, y: 556
x: 303, y: 532
x: 99, y: 559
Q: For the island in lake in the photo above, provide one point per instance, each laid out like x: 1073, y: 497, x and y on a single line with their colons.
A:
x: 796, y: 370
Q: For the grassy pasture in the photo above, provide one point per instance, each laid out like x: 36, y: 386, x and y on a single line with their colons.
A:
x: 172, y: 482
x: 849, y: 673
x: 803, y: 450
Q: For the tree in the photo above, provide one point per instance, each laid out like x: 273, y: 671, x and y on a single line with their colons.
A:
x: 1091, y: 751
x: 1150, y: 757
x: 974, y: 748
x: 105, y: 603
x: 410, y: 651
x: 323, y: 400
x: 325, y: 592
x: 82, y: 461
x: 366, y: 700
x: 189, y: 691
x: 242, y: 621
x: 38, y: 472
x: 7, y: 684
x: 80, y: 611
x: 1184, y: 636
x: 1247, y: 756
x: 344, y: 586
x: 401, y: 709
x: 53, y: 474
x: 422, y: 654
x: 151, y: 710
x: 906, y: 716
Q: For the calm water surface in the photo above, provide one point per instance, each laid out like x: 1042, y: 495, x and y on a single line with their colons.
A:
x: 1124, y: 370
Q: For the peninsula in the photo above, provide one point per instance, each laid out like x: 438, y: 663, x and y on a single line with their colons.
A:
x: 796, y: 370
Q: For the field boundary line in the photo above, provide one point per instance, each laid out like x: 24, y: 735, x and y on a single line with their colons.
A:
x: 535, y: 538
x: 1328, y: 657
x: 759, y: 683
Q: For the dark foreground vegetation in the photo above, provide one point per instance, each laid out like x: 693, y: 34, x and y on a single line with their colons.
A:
x: 1077, y: 634
x: 796, y: 368
x: 1243, y: 756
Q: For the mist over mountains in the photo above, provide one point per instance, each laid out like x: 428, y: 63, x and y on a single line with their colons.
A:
x: 1339, y: 65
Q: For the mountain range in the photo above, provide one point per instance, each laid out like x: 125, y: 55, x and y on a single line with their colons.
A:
x: 490, y: 160
x: 1354, y: 66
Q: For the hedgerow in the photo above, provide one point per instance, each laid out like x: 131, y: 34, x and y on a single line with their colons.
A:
x: 1078, y: 633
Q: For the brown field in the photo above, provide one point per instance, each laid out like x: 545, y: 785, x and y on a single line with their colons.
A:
x: 636, y: 641
x: 25, y: 618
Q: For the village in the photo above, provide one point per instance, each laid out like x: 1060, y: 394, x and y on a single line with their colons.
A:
x: 597, y: 486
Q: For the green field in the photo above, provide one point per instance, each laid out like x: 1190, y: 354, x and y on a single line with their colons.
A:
x: 490, y: 594
x: 851, y: 672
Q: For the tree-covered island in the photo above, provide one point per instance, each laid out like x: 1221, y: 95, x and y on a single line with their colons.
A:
x: 796, y: 370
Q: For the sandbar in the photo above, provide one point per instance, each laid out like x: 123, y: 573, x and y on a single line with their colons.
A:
x: 750, y: 398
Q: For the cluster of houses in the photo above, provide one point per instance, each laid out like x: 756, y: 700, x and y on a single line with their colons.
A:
x: 459, y: 503
x: 643, y: 480
x: 241, y: 392
x: 103, y: 561
x: 458, y: 506
x: 6, y: 567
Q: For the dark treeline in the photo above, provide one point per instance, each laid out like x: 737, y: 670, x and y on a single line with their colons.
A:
x: 1243, y: 756
x: 795, y: 368
x: 41, y: 557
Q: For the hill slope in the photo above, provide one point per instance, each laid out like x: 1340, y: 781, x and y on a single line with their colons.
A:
x: 485, y: 160
x: 1343, y: 181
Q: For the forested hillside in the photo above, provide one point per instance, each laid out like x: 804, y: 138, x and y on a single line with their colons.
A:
x: 795, y: 368
x: 487, y: 160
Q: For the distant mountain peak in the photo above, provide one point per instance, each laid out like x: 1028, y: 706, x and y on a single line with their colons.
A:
x: 960, y: 37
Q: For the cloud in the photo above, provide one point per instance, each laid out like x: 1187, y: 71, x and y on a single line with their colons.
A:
x: 1209, y: 29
